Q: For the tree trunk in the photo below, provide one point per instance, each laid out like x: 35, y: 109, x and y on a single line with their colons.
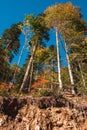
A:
x: 70, y: 71
x: 28, y: 67
x: 52, y: 74
x: 7, y: 46
x: 31, y: 75
x: 84, y: 84
x: 58, y: 60
x: 20, y: 56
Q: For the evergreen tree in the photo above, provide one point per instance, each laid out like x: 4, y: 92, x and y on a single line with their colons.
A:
x: 40, y: 32
x: 11, y: 41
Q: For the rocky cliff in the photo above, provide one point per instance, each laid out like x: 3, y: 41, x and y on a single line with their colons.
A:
x: 43, y: 113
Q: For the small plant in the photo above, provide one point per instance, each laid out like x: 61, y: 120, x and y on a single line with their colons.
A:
x: 44, y: 92
x: 3, y: 93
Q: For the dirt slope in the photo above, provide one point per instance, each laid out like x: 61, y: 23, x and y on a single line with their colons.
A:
x: 43, y: 113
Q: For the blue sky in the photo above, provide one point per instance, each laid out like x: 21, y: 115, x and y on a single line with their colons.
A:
x: 12, y: 11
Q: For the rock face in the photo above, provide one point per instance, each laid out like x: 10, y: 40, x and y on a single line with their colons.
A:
x: 46, y: 113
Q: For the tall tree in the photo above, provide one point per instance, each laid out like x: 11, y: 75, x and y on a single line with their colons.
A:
x: 70, y: 70
x: 40, y: 32
x: 52, y: 21
x: 11, y: 40
x: 74, y: 37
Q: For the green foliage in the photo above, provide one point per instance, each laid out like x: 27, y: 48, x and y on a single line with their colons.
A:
x: 4, y: 66
x: 3, y: 93
x: 38, y: 27
x: 9, y: 45
x: 11, y: 40
x: 65, y: 76
x: 44, y: 92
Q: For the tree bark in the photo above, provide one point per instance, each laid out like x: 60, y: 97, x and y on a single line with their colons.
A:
x: 58, y: 60
x: 52, y: 74
x: 84, y: 84
x: 31, y: 75
x: 28, y: 67
x: 70, y: 71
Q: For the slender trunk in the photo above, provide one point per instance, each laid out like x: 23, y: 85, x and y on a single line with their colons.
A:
x: 58, y: 61
x: 82, y: 75
x: 7, y: 46
x: 20, y: 56
x: 28, y: 68
x: 70, y: 71
x: 52, y: 75
x: 31, y: 75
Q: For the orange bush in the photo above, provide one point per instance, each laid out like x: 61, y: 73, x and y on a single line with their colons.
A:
x: 4, y: 86
x: 39, y: 83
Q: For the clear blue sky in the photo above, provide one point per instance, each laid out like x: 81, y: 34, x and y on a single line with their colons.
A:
x: 12, y: 11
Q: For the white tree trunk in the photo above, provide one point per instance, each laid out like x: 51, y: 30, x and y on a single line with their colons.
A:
x: 69, y: 69
x: 7, y: 46
x: 20, y: 56
x: 52, y: 75
x: 58, y: 60
x: 28, y: 68
x: 26, y: 33
x: 84, y: 84
x: 31, y: 75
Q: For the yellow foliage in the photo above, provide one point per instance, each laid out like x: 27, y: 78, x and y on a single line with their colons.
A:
x: 60, y: 14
